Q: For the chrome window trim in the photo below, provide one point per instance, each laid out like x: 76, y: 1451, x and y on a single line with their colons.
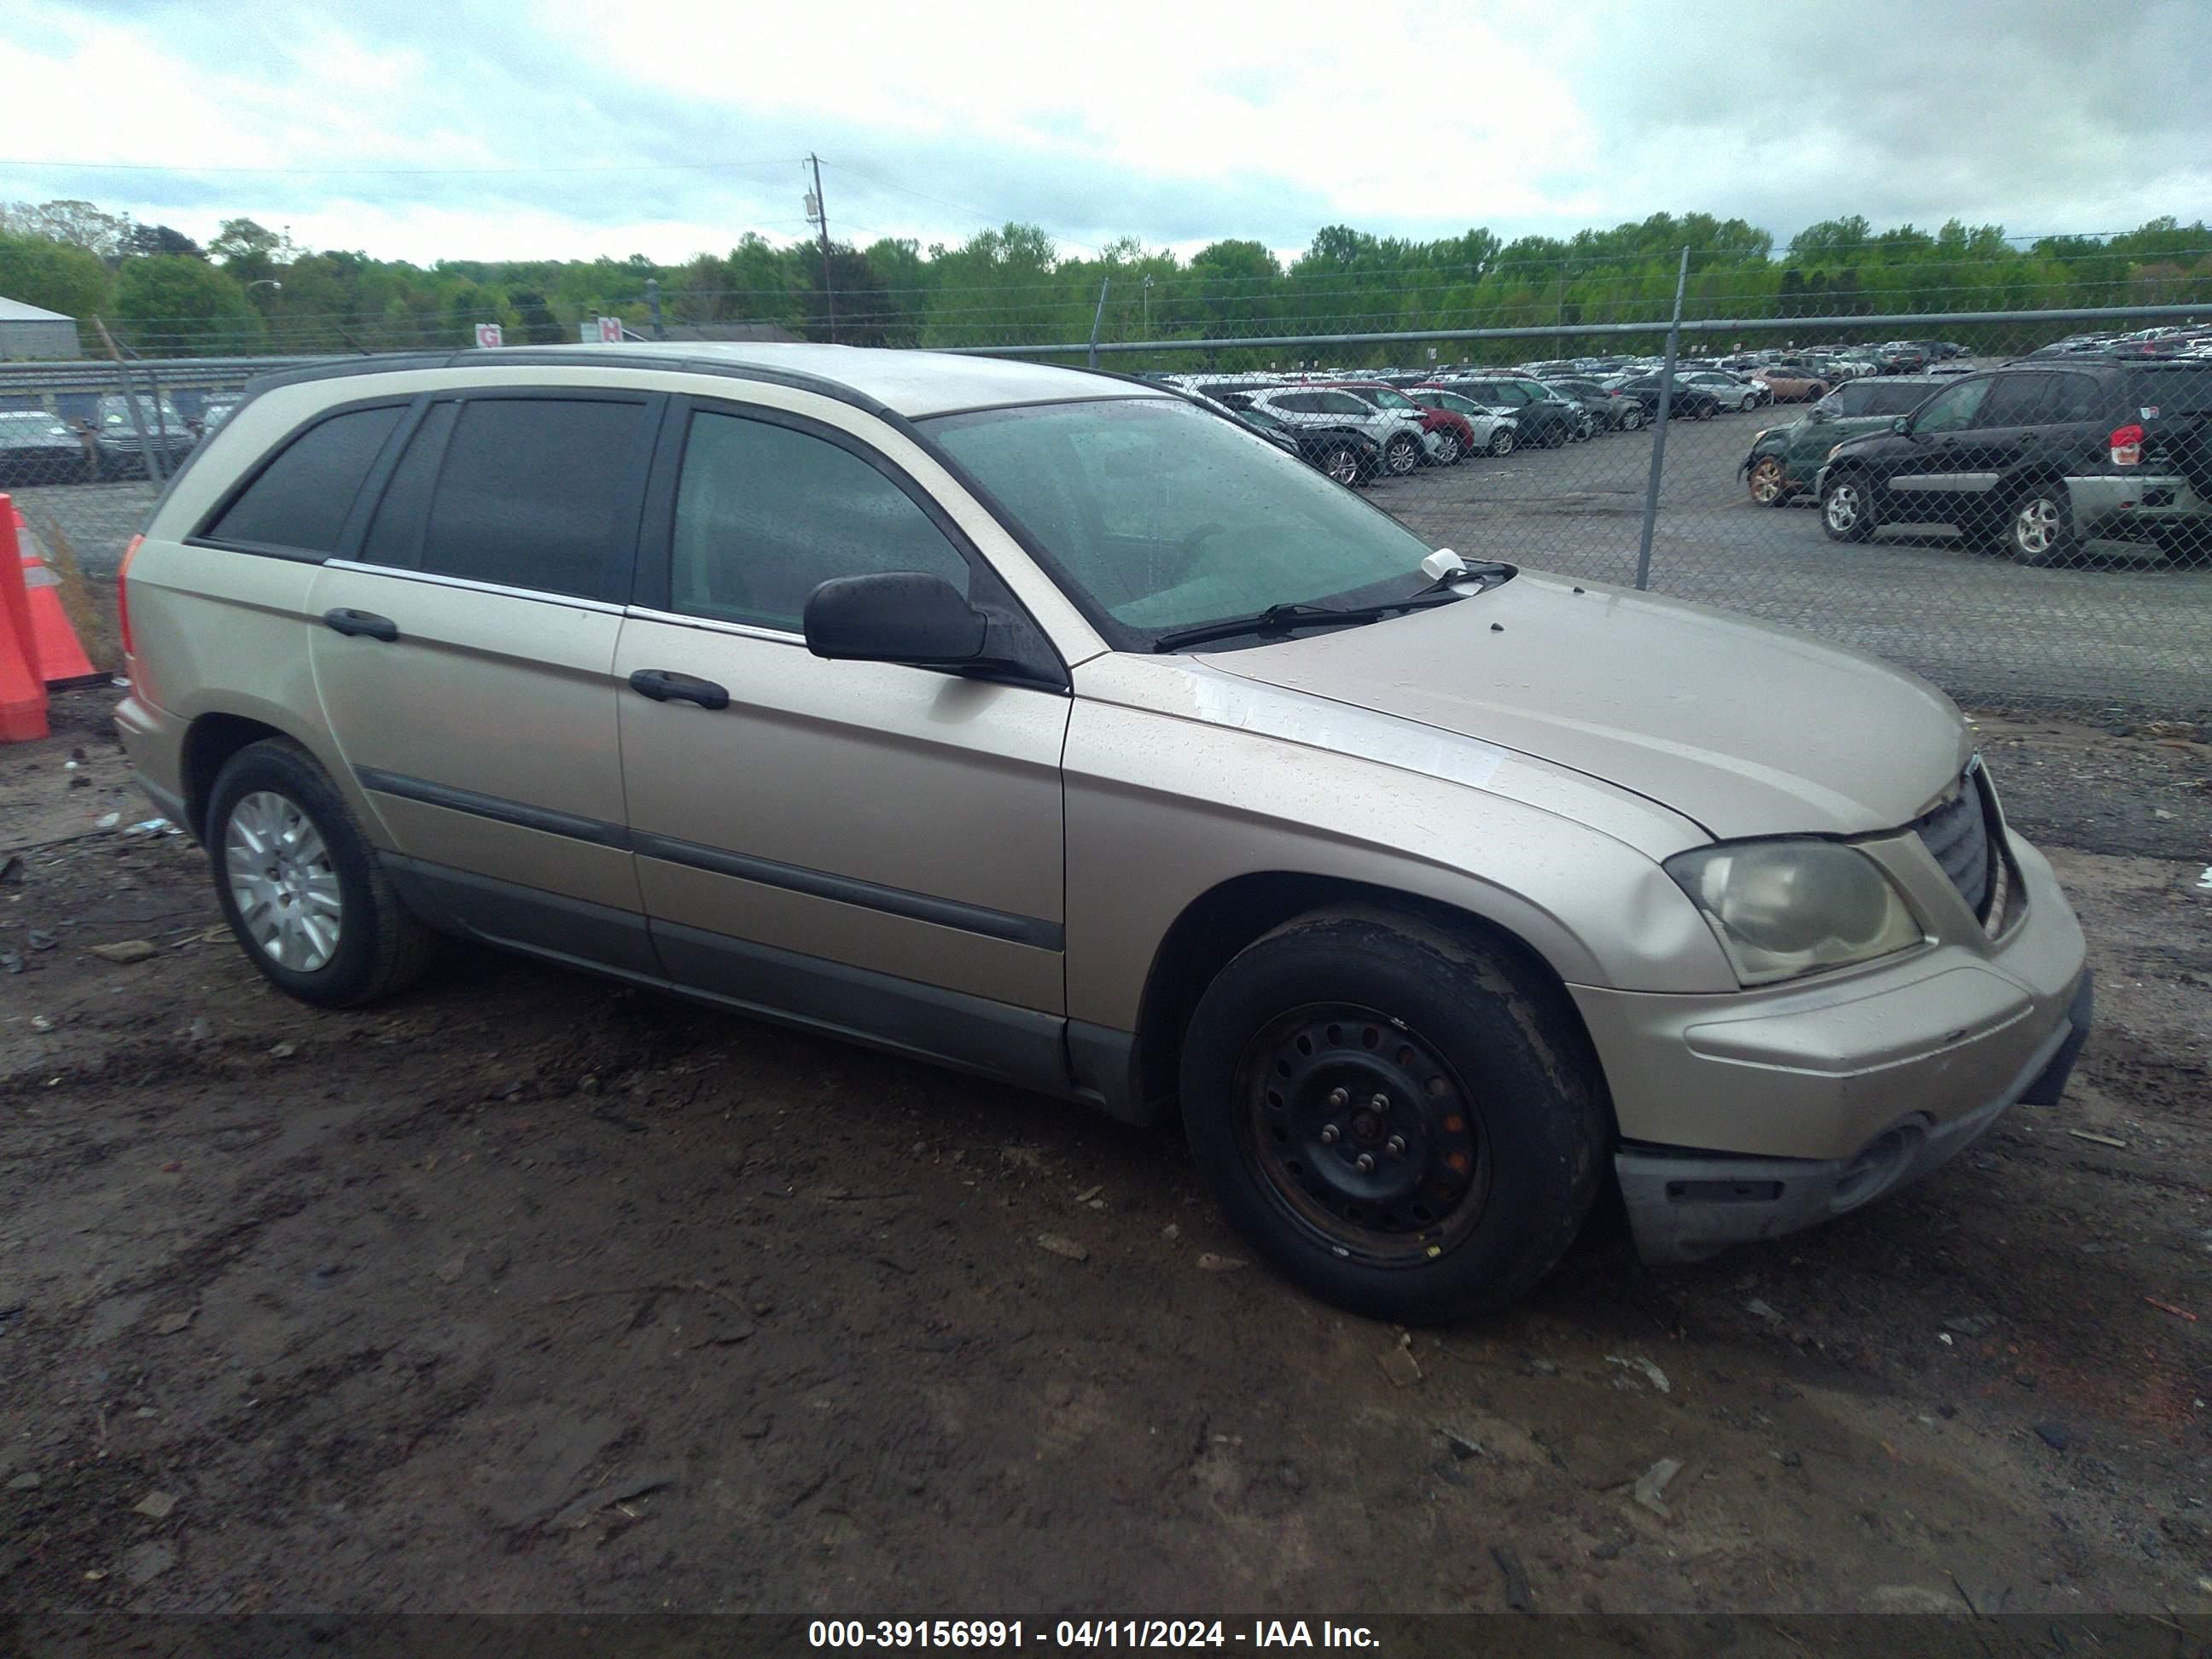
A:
x: 715, y: 625
x: 439, y: 578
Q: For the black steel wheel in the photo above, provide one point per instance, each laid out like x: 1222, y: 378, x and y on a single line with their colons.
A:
x: 1365, y: 1133
x: 1399, y: 1117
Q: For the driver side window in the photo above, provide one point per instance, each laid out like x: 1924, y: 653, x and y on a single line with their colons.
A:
x: 1948, y: 411
x: 765, y: 514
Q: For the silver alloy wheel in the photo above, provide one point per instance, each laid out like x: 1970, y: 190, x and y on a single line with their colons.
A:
x: 1447, y: 448
x: 1343, y: 466
x: 283, y: 882
x: 1501, y: 441
x: 2036, y: 526
x: 1401, y: 455
x: 1842, y: 508
x: 1631, y: 419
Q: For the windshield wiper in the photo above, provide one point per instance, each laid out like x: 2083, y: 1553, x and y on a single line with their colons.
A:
x: 1286, y: 618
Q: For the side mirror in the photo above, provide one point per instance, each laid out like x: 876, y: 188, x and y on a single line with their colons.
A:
x: 1902, y: 426
x: 899, y: 616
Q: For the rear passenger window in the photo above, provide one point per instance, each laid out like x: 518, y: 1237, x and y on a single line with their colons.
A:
x: 395, y: 537
x: 2023, y: 400
x: 302, y: 498
x: 764, y: 515
x: 538, y: 493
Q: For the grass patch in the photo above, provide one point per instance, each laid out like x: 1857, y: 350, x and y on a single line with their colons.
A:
x: 91, y: 611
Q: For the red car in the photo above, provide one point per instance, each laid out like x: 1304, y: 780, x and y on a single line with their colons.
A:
x: 1453, y: 434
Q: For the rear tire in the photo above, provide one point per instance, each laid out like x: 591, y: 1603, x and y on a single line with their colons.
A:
x: 2040, y: 527
x: 1400, y: 456
x: 1448, y: 449
x: 1631, y: 420
x: 1463, y: 1084
x: 300, y: 886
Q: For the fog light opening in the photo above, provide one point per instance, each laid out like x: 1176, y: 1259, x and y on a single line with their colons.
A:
x: 1878, y: 1167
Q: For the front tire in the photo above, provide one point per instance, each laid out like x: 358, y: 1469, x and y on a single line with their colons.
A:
x: 1847, y: 509
x: 1631, y: 419
x: 1400, y: 1120
x: 1770, y: 481
x: 1501, y: 441
x: 300, y: 884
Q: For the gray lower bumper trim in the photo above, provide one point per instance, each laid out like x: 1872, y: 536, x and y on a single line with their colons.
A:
x: 1686, y: 1205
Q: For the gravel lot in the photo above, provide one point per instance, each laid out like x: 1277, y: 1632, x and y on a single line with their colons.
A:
x: 2129, y: 632
x: 525, y: 1292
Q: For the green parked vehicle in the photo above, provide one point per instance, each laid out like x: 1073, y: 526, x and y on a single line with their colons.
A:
x: 1784, y: 459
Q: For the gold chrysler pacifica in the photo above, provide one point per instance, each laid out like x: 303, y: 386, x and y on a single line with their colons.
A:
x: 1044, y: 724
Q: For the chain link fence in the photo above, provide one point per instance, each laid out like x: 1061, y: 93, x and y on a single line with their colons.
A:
x: 2037, y: 535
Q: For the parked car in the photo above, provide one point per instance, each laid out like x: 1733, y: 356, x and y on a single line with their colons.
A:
x: 1728, y: 392
x: 1785, y: 459
x: 1614, y: 411
x: 2037, y: 458
x: 1347, y: 454
x: 1540, y: 418
x: 1399, y: 438
x: 1037, y: 723
x: 35, y: 448
x: 1452, y: 437
x: 1689, y: 402
x: 121, y: 444
x: 1791, y: 386
x: 1901, y: 357
x: 1494, y: 434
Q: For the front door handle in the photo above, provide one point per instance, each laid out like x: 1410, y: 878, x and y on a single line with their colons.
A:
x: 663, y: 685
x: 365, y: 623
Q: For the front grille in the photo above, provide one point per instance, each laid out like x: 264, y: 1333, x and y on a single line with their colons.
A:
x: 1957, y: 836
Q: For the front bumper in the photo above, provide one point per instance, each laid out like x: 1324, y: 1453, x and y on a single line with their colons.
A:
x: 1816, y: 1096
x: 1684, y: 1208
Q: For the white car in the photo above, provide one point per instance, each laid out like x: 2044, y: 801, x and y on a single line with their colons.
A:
x: 1736, y: 394
x: 1401, y: 439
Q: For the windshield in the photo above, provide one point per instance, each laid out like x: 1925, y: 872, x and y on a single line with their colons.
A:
x: 1155, y: 517
x: 115, y: 411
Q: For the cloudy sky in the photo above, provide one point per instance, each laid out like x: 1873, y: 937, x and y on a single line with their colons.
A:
x: 422, y: 129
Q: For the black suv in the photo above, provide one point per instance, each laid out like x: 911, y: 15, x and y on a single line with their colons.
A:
x: 2037, y: 458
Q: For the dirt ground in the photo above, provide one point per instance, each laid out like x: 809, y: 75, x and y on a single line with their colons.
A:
x: 529, y: 1292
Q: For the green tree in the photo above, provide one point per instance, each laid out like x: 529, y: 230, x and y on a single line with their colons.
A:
x: 80, y: 224
x: 172, y: 305
x: 534, y: 317
x: 54, y: 275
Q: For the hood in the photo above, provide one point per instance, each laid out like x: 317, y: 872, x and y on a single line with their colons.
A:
x: 1745, y: 728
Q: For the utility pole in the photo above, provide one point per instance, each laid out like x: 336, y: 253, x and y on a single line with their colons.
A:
x: 820, y: 216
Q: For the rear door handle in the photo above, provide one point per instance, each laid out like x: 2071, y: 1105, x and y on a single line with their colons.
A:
x: 365, y: 624
x: 663, y: 685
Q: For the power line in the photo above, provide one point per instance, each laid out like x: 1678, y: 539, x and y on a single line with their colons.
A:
x: 394, y: 173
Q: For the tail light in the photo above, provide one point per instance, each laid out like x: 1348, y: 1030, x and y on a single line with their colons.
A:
x: 2127, y: 444
x: 123, y: 592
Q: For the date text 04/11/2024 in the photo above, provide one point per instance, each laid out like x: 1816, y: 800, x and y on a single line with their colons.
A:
x: 987, y: 1634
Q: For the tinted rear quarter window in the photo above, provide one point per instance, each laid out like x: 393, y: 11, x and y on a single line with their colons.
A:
x: 300, y: 499
x: 537, y: 493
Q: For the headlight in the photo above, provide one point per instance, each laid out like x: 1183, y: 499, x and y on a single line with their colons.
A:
x: 1759, y: 437
x: 1833, y: 448
x: 1781, y: 909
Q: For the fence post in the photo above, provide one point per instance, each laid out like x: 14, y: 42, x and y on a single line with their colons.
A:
x: 154, y: 471
x: 1099, y: 317
x: 1659, y: 431
x: 652, y: 306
